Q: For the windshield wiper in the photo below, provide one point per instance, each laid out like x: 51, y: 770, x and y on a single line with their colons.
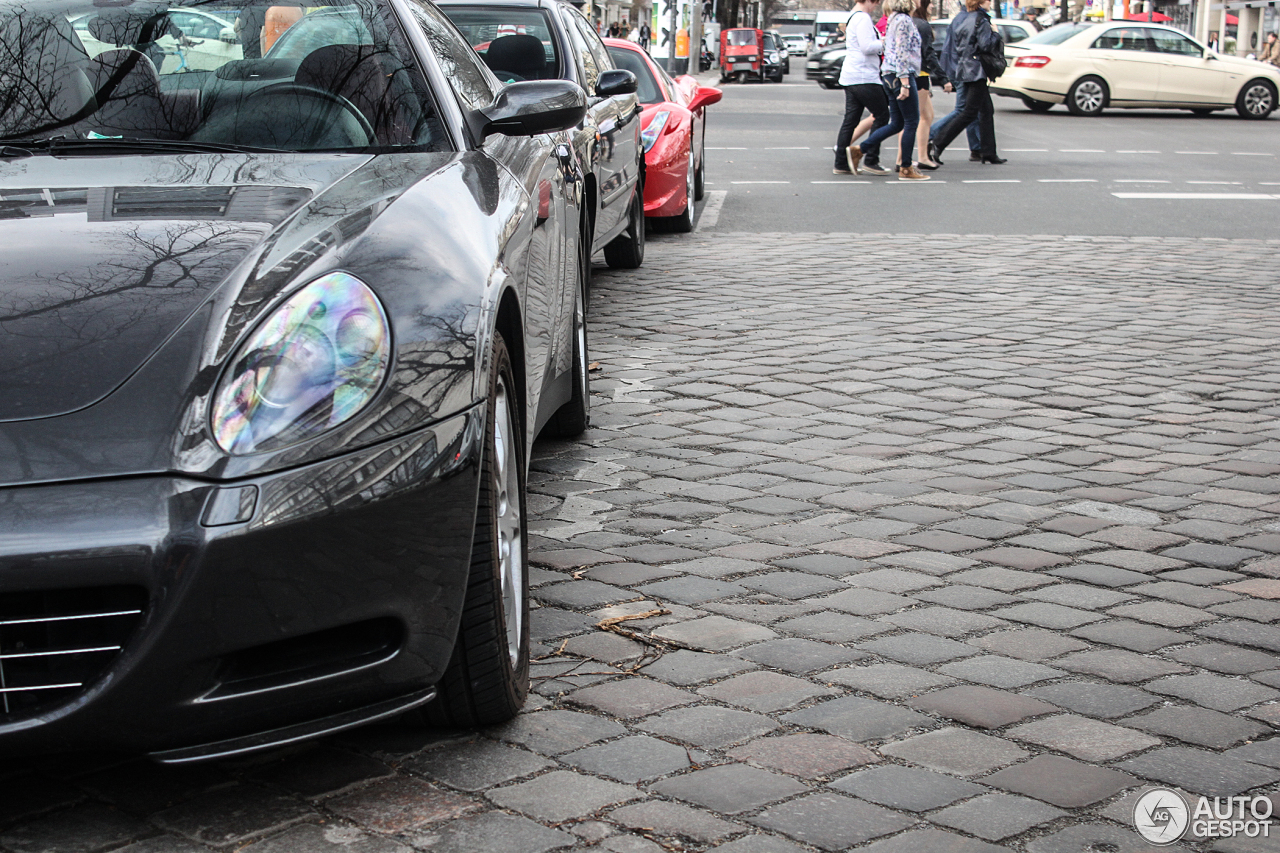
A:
x: 70, y: 145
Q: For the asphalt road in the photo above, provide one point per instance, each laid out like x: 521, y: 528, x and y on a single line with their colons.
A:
x: 769, y: 169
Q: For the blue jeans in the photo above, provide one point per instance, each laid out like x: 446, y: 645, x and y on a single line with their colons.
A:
x: 975, y: 140
x: 904, y: 118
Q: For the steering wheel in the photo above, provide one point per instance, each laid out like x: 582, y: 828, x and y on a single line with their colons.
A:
x: 299, y: 89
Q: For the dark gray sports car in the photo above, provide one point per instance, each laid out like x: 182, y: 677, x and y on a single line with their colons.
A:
x: 285, y: 302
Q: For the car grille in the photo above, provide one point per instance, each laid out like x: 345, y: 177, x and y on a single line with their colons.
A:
x: 54, y: 643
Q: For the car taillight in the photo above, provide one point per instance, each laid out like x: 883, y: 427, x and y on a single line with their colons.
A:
x: 1031, y: 62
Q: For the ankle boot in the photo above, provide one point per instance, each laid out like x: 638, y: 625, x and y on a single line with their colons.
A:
x: 911, y: 173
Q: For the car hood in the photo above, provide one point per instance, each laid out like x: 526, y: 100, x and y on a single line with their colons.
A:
x: 105, y: 259
x: 130, y: 281
x: 1252, y: 67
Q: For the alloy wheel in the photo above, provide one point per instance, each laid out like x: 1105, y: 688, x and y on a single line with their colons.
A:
x: 1258, y: 100
x: 509, y: 513
x: 1089, y: 96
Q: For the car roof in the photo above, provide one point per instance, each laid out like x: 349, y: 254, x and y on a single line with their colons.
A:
x: 523, y: 4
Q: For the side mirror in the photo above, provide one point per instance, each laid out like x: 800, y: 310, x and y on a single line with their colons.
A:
x: 704, y: 97
x: 616, y: 81
x: 228, y: 35
x: 531, y: 107
x: 1210, y: 53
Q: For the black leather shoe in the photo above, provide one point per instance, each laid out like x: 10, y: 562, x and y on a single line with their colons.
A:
x: 934, y: 153
x: 928, y: 167
x: 994, y: 161
x: 974, y: 156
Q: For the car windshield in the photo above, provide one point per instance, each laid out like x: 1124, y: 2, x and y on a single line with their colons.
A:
x: 648, y: 90
x: 737, y: 38
x: 88, y: 75
x: 515, y: 43
x: 1057, y: 34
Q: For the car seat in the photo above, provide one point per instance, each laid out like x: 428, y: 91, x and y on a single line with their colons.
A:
x: 130, y: 103
x: 357, y: 73
x: 518, y: 57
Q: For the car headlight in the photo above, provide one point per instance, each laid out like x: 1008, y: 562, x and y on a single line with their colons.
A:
x: 649, y: 135
x: 314, y: 363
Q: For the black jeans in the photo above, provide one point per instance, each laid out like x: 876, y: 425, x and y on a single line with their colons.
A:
x: 977, y: 104
x: 872, y: 97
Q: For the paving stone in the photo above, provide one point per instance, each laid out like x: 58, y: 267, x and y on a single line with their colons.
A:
x: 1259, y: 587
x: 906, y: 788
x: 1102, y: 575
x: 1046, y: 615
x: 944, y: 621
x: 1030, y: 644
x: 1005, y: 580
x: 764, y: 691
x: 561, y: 795
x: 931, y: 562
x: 631, y: 697
x: 686, y: 668
x: 1201, y: 772
x: 1086, y: 739
x: 1116, y: 665
x: 1023, y: 559
x: 792, y: 584
x: 996, y: 816
x: 1061, y: 781
x: 858, y: 719
x: 582, y: 593
x: 1137, y: 561
x: 1136, y: 636
x: 799, y: 656
x: 549, y: 623
x: 1189, y: 594
x: 604, y: 646
x: 1200, y: 726
x: 940, y: 540
x: 311, y: 773
x: 1262, y: 752
x: 629, y: 574
x: 918, y: 649
x: 863, y: 602
x: 491, y: 831
x: 715, y: 567
x: 981, y: 706
x: 1214, y: 691
x: 173, y: 844
x: 631, y: 759
x: 310, y: 838
x: 759, y: 844
x: 556, y: 732
x: 964, y: 597
x: 81, y: 828
x: 930, y: 841
x: 1090, y: 837
x: 958, y: 751
x: 833, y: 626
x: 1078, y: 595
x: 834, y: 565
x: 708, y: 727
x: 998, y: 671
x: 888, y: 680
x: 806, y: 755
x: 894, y: 580
x: 400, y: 804
x: 475, y: 764
x: 1095, y: 700
x: 1214, y: 556
x: 1223, y: 658
x: 730, y: 788
x: 234, y: 815
x: 1162, y: 613
x: 831, y: 821
x: 673, y: 819
x: 714, y: 633
x: 691, y: 590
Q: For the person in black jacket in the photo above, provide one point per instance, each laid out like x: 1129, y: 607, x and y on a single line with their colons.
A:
x: 931, y: 74
x: 970, y: 34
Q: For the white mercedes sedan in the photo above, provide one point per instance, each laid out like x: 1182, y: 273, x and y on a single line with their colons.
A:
x: 1090, y: 67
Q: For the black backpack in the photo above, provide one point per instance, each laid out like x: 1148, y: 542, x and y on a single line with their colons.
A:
x: 992, y: 59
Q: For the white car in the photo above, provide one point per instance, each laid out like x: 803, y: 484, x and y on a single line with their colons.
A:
x: 1012, y: 31
x: 797, y: 44
x: 1129, y: 64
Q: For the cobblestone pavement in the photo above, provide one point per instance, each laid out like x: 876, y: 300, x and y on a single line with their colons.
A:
x: 940, y: 545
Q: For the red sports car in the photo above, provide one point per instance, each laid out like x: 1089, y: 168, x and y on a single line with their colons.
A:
x: 673, y: 125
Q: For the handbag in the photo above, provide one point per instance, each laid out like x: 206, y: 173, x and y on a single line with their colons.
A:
x: 992, y: 59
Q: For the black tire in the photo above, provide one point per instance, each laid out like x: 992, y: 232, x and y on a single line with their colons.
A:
x: 487, y: 679
x: 626, y: 251
x: 572, y: 419
x: 1256, y: 100
x: 1087, y: 96
x: 700, y: 176
x: 1036, y: 106
x: 682, y: 223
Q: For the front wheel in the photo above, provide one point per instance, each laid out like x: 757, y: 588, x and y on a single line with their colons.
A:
x: 827, y: 84
x: 487, y: 679
x: 1037, y: 106
x: 1257, y: 99
x: 626, y: 251
x: 1087, y: 97
x: 682, y: 223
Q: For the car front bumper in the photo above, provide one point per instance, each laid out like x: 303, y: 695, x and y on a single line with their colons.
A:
x: 266, y: 605
x: 823, y: 74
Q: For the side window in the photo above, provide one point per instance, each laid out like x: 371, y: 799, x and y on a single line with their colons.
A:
x: 597, y: 48
x: 473, y: 82
x: 582, y: 50
x: 1012, y: 33
x: 1123, y: 38
x: 1168, y: 42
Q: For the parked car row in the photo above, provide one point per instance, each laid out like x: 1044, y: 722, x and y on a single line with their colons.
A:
x: 322, y: 278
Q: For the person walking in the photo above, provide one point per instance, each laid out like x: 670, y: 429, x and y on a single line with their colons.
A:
x: 1270, y: 50
x: 971, y: 33
x: 860, y: 78
x: 898, y: 72
x: 931, y: 75
x: 644, y: 36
